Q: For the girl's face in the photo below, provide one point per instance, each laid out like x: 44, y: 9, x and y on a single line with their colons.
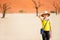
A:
x: 45, y: 16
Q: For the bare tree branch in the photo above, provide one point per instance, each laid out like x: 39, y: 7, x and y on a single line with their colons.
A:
x: 36, y: 6
x: 34, y: 2
x: 39, y: 3
x: 0, y: 6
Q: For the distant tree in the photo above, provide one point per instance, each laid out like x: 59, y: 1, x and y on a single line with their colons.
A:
x: 0, y: 7
x: 4, y: 8
x: 59, y: 9
x: 21, y: 11
x: 37, y: 5
x: 52, y: 12
x: 56, y: 5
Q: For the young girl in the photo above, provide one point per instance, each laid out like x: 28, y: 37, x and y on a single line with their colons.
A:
x: 47, y: 29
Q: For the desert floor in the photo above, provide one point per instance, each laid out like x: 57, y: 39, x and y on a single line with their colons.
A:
x: 26, y: 27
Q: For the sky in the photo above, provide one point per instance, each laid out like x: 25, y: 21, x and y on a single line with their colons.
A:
x: 27, y: 5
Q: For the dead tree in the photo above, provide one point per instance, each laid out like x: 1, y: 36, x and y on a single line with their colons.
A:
x: 56, y: 6
x: 59, y: 9
x: 4, y: 8
x: 36, y: 6
x: 21, y: 11
x: 0, y: 7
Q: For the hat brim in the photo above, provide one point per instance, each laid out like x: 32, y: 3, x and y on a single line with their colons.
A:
x: 45, y: 14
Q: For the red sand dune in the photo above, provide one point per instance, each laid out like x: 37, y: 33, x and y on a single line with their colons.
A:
x: 27, y: 5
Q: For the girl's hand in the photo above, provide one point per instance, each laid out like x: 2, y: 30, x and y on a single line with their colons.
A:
x: 40, y: 17
x: 50, y: 34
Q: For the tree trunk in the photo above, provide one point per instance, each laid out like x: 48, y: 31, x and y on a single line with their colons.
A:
x: 4, y: 12
x: 36, y: 11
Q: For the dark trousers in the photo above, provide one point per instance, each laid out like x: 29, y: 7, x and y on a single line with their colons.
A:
x: 46, y: 35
